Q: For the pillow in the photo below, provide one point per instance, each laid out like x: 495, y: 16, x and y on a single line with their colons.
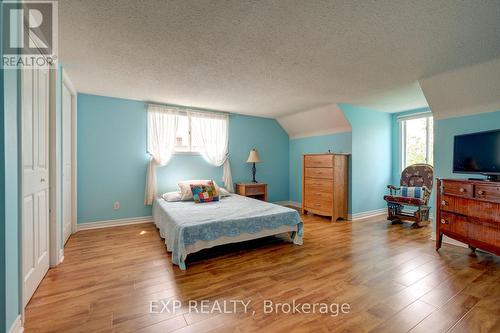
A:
x: 185, y: 187
x: 412, y: 192
x: 223, y: 192
x: 172, y: 196
x: 204, y: 193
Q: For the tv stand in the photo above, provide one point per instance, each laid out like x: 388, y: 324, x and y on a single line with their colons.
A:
x: 469, y: 211
x: 493, y: 178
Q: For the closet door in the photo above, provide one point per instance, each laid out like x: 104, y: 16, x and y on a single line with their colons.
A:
x: 35, y: 181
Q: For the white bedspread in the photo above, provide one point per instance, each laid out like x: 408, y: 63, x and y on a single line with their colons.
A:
x: 188, y: 227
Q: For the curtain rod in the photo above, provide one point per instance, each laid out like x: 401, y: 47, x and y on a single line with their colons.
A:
x: 187, y: 108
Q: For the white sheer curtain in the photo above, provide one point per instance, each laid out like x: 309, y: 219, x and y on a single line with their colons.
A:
x: 162, y: 128
x: 210, y: 132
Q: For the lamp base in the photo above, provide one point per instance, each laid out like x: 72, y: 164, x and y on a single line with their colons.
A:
x: 254, y: 170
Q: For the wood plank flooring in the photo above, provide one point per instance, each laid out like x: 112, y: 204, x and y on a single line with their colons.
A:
x: 390, y: 275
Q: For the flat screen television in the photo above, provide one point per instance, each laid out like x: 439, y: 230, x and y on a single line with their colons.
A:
x: 478, y: 153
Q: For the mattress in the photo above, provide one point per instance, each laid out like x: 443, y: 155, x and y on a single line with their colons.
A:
x: 188, y: 227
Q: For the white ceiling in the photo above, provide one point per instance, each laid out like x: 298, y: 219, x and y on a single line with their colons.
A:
x: 327, y: 119
x: 272, y: 58
x: 468, y: 90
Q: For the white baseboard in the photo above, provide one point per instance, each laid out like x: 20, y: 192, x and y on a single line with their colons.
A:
x: 61, y: 256
x: 17, y: 326
x: 449, y: 240
x: 367, y: 214
x: 289, y: 203
x: 114, y: 223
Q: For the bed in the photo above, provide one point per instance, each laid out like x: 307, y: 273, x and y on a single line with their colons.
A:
x: 189, y: 227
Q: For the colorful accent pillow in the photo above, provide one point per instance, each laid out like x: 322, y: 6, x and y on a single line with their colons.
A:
x: 204, y: 193
x: 412, y: 192
x: 185, y: 187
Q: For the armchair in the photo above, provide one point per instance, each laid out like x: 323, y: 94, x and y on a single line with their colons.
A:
x: 410, y: 200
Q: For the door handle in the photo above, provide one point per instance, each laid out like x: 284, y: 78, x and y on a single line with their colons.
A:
x: 42, y: 180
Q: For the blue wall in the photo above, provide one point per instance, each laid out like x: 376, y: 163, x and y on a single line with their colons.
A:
x: 112, y: 158
x: 371, y: 168
x: 339, y: 143
x: 444, y: 133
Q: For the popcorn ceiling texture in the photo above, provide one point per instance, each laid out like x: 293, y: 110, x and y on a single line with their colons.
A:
x: 272, y: 58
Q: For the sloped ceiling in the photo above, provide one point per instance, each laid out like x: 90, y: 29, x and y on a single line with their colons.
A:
x: 272, y: 58
x: 465, y: 91
x: 328, y: 119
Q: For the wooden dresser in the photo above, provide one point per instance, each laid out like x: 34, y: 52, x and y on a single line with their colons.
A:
x: 469, y: 211
x: 325, y: 184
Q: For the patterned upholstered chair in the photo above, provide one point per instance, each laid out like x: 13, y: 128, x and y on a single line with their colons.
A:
x: 410, y: 200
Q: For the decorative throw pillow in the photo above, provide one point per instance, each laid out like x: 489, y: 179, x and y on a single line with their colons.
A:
x: 412, y: 192
x: 185, y: 187
x: 204, y: 193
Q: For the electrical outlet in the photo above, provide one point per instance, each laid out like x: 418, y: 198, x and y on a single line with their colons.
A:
x: 116, y: 205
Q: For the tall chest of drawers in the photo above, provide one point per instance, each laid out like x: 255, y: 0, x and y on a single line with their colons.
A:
x: 469, y: 211
x: 325, y: 185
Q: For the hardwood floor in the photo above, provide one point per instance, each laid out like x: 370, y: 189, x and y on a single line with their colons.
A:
x: 390, y: 275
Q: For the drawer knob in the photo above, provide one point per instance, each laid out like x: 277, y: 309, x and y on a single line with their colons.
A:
x: 443, y: 221
x: 462, y: 190
x: 444, y: 203
x: 480, y: 192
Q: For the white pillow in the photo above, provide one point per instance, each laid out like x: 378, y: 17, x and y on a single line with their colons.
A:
x: 185, y: 187
x: 172, y: 196
x: 223, y: 192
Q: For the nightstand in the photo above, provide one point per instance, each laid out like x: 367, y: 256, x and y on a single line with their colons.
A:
x: 253, y: 190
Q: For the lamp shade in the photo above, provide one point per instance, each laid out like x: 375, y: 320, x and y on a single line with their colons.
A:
x: 253, y: 157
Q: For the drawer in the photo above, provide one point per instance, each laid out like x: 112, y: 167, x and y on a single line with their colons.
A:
x: 488, y: 233
x: 447, y: 203
x: 253, y: 190
x: 310, y: 195
x: 458, y: 189
x: 318, y: 161
x: 456, y: 224
x: 318, y: 201
x: 318, y: 185
x: 487, y: 192
x: 323, y: 173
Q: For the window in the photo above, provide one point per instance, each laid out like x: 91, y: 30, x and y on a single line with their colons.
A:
x: 417, y: 140
x: 183, y: 139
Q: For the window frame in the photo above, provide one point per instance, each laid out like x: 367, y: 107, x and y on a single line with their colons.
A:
x: 402, y: 138
x: 190, y: 150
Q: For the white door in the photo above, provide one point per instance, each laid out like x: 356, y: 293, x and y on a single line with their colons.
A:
x: 66, y: 157
x: 35, y: 178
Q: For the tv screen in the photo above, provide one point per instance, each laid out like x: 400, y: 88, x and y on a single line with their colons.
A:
x: 477, y: 153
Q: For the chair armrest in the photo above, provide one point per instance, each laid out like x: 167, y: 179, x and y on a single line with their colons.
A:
x: 393, y: 189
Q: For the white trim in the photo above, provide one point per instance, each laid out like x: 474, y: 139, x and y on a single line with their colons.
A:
x: 289, y: 203
x: 114, y: 223
x: 54, y: 172
x: 17, y: 326
x: 61, y: 256
x: 448, y: 240
x: 367, y: 214
x: 423, y: 114
x: 67, y: 82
